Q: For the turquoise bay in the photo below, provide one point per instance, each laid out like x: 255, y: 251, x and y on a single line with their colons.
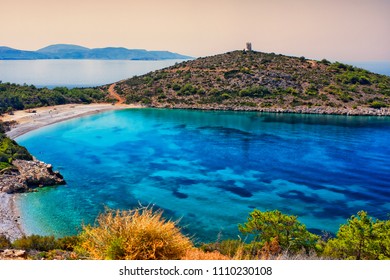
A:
x: 210, y: 169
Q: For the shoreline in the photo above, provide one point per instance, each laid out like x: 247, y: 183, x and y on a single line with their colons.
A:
x: 27, y: 121
x: 10, y: 225
x: 369, y: 112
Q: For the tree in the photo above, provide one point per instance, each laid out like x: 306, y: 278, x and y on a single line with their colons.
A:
x: 361, y: 238
x: 270, y: 225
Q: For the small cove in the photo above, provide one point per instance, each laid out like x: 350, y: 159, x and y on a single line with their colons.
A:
x: 210, y: 169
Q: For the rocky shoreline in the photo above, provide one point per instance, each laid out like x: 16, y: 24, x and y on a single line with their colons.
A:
x: 23, y: 176
x: 296, y: 110
x: 28, y: 175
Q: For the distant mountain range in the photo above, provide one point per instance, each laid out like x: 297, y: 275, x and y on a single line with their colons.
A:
x: 66, y: 51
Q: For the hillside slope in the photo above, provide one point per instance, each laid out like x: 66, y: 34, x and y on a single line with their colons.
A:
x: 241, y: 80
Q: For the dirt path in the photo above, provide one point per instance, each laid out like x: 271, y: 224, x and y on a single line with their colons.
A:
x: 112, y: 92
x: 313, y: 63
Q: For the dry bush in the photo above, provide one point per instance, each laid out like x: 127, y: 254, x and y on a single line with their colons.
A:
x: 139, y: 234
x: 197, y: 254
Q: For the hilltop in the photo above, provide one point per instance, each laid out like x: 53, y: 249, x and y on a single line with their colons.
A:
x: 256, y: 81
x: 67, y: 51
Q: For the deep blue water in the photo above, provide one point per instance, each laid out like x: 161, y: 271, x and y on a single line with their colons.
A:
x: 211, y: 168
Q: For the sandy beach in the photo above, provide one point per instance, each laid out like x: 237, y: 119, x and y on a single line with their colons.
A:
x: 28, y: 120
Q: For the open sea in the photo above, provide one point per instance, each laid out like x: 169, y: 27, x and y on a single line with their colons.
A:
x: 210, y: 169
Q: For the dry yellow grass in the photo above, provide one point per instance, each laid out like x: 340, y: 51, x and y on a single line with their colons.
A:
x: 139, y: 234
x: 197, y: 254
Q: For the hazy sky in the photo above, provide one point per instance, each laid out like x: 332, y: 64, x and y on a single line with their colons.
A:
x: 345, y: 30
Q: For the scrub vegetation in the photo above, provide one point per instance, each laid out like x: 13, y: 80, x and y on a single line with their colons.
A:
x: 143, y: 234
x: 10, y: 150
x: 20, y: 97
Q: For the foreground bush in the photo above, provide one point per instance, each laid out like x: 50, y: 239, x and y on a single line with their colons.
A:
x: 140, y: 234
x: 362, y: 238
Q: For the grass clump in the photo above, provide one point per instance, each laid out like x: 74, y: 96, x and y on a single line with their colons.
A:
x: 5, y: 243
x: 140, y: 234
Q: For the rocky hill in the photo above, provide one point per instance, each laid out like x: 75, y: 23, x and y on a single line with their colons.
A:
x: 256, y: 81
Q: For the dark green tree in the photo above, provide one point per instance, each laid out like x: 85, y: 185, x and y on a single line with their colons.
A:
x: 361, y: 238
x: 290, y: 233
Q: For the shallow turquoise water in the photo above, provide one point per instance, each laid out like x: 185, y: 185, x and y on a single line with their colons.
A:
x: 211, y: 168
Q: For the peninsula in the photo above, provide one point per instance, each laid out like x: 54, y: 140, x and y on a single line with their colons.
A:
x: 257, y: 81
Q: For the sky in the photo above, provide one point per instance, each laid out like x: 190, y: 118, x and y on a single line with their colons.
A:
x: 343, y: 30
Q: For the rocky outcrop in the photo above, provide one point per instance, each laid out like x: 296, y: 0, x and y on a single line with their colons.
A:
x: 28, y: 175
x: 10, y: 254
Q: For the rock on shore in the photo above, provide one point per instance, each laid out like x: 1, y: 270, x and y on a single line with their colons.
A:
x: 28, y: 175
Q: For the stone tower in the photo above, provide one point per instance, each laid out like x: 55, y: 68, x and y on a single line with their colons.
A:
x: 249, y: 46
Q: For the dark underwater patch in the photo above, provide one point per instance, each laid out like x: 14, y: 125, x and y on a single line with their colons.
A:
x: 94, y: 159
x: 225, y: 130
x: 300, y: 196
x: 116, y: 129
x: 180, y: 126
x: 180, y: 195
x: 238, y: 191
x: 337, y: 210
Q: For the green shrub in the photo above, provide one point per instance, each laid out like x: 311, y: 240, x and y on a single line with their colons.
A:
x: 146, y: 101
x: 378, y: 104
x: 36, y: 242
x: 5, y: 243
x: 188, y: 89
x: 176, y: 87
x: 362, y: 238
x: 255, y: 91
x: 311, y: 90
x: 266, y: 226
x: 10, y: 150
x: 231, y: 74
x: 67, y: 243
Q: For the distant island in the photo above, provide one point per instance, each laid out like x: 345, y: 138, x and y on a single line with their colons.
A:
x: 66, y: 51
